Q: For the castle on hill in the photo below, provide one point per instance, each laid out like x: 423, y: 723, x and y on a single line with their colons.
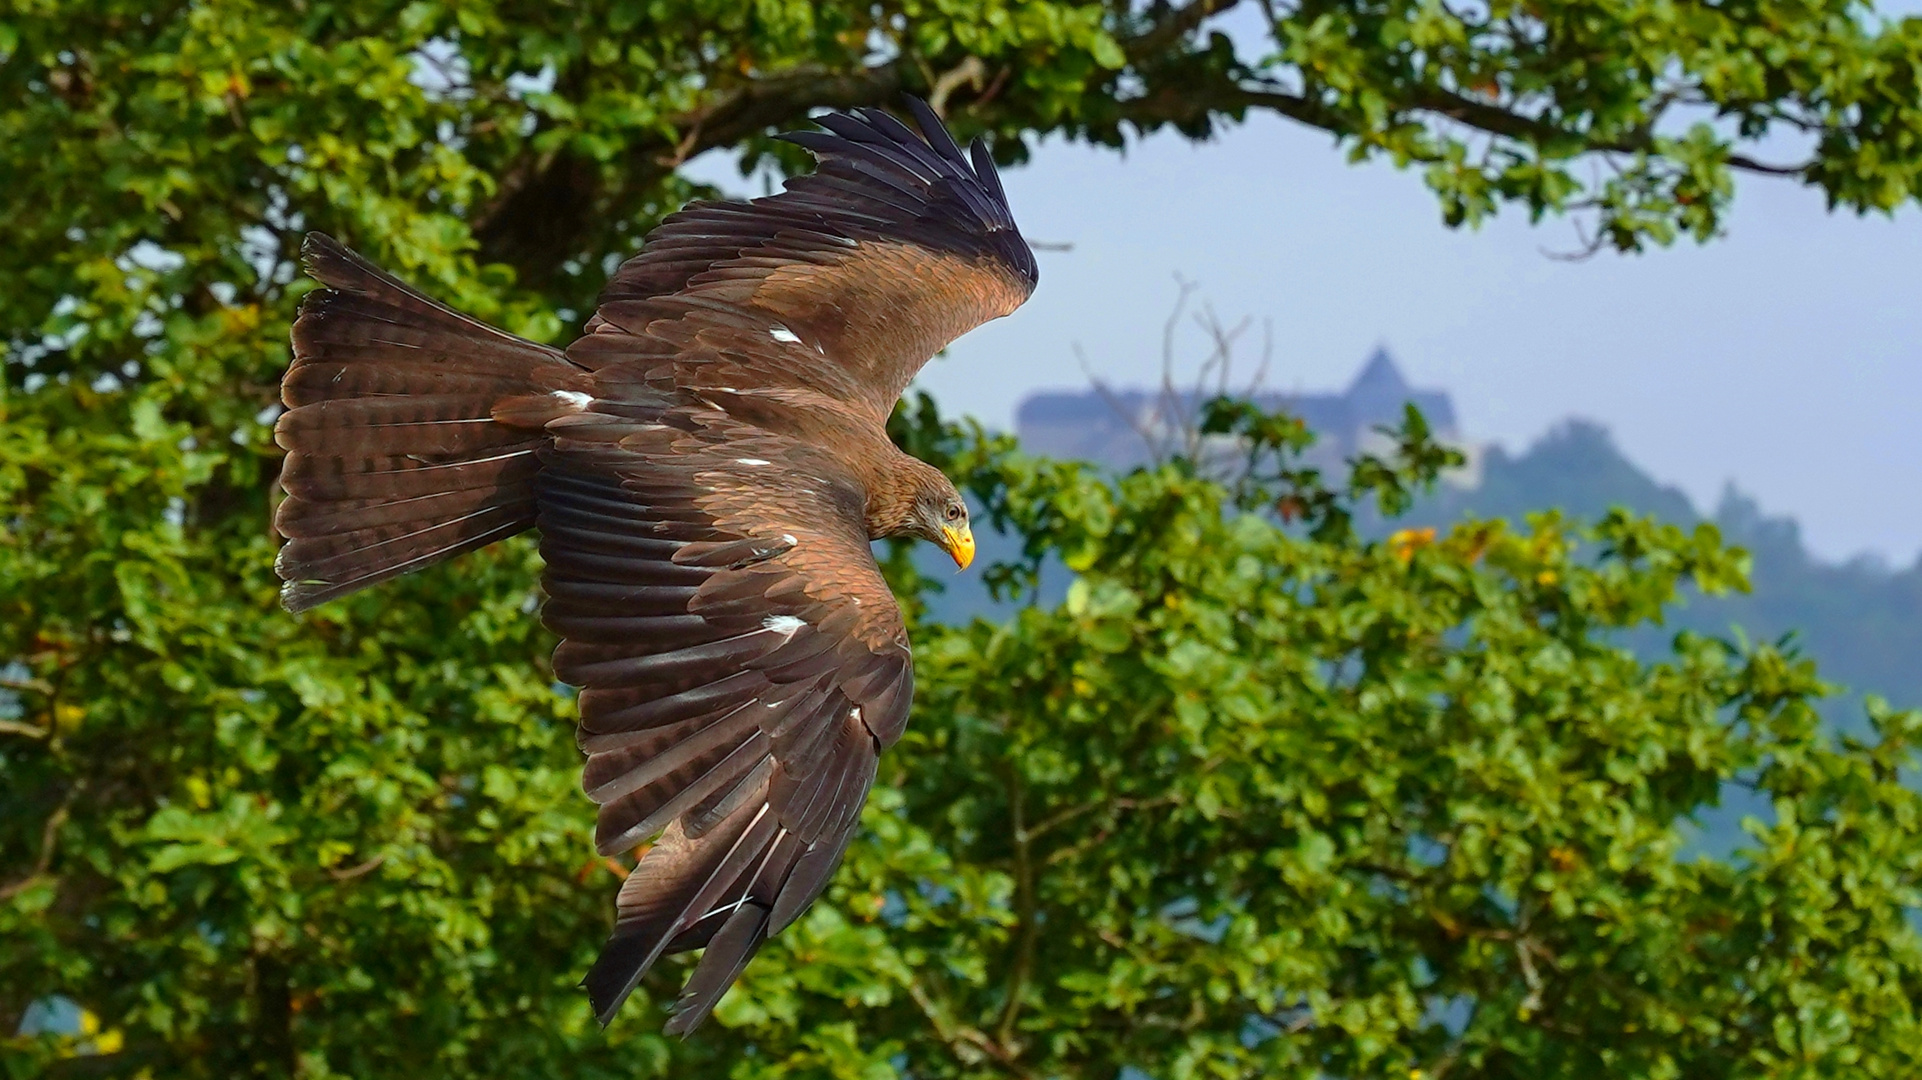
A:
x: 1125, y: 428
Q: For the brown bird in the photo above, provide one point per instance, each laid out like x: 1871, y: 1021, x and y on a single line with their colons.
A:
x: 706, y: 465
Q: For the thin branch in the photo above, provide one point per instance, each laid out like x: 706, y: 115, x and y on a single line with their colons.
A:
x: 1169, y: 105
x: 1062, y: 817
x: 968, y: 1044
x: 1260, y: 378
x: 725, y: 120
x: 1101, y: 835
x: 49, y: 836
x: 1170, y: 411
x: 1590, y: 245
x: 1113, y: 400
x: 14, y: 727
x: 1749, y: 164
x: 1179, y: 23
x: 995, y: 86
x: 353, y: 872
x: 1446, y: 1063
x: 1027, y: 923
x: 1530, y: 978
x: 970, y: 71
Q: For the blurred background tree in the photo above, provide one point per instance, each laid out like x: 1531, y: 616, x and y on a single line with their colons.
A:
x: 1254, y: 800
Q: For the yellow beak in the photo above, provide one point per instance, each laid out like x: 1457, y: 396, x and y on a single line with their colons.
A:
x: 960, y: 544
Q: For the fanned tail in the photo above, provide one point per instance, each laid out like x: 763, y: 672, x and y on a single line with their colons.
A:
x: 395, y: 456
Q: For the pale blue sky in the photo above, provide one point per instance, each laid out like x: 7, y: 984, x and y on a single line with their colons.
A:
x: 1783, y: 356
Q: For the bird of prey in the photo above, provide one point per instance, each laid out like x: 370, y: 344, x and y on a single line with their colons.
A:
x: 706, y: 466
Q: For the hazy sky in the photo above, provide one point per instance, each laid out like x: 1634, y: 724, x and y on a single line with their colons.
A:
x: 1783, y: 356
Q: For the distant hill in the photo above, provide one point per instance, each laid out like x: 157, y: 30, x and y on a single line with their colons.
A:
x: 1575, y: 467
x: 1861, y: 620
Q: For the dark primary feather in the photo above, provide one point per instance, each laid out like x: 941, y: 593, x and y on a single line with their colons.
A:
x: 706, y: 466
x: 723, y: 708
x: 876, y: 180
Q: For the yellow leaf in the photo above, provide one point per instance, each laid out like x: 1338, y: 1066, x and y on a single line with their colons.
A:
x: 1404, y: 543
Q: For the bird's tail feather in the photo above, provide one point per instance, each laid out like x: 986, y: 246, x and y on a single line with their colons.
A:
x: 395, y: 458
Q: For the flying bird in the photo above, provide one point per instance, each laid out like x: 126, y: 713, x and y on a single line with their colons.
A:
x: 706, y: 466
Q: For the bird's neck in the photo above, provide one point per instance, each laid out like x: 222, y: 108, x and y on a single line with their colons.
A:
x: 892, y: 489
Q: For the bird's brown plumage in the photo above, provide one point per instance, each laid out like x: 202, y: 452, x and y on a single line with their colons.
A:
x: 706, y: 466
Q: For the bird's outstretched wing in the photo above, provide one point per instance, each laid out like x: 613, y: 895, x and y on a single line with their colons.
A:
x: 895, y: 246
x: 742, y: 663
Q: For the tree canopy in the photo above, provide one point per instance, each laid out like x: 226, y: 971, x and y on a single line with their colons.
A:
x: 1261, y: 797
x: 1256, y: 799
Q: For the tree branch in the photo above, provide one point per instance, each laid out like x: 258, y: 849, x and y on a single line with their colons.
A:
x: 49, y: 836
x: 546, y: 204
x: 970, y: 71
x: 1178, y: 23
x: 1028, y: 926
x: 1749, y: 164
x: 968, y: 1044
x: 1174, y: 106
x: 353, y: 872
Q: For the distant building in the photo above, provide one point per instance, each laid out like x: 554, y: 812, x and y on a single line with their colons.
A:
x: 1124, y: 428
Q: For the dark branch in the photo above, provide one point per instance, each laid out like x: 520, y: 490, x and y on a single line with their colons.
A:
x: 1749, y: 164
x: 545, y: 206
x: 1179, y: 23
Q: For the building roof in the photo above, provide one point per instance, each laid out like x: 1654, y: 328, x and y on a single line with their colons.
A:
x: 1103, y: 426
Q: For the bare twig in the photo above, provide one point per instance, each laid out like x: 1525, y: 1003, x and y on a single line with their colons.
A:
x: 1060, y: 818
x: 49, y: 836
x: 1100, y: 836
x: 970, y: 71
x: 1590, y: 245
x: 1111, y: 399
x: 37, y: 686
x: 968, y: 1044
x: 1171, y: 427
x: 1026, y: 914
x: 1170, y: 406
x: 353, y: 872
x: 1530, y: 977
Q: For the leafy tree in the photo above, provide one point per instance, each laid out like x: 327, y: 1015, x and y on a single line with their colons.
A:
x: 1252, y: 799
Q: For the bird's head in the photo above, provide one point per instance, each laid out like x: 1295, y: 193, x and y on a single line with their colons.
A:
x: 939, y: 515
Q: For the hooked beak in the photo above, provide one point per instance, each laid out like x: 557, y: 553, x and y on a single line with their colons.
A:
x: 960, y: 544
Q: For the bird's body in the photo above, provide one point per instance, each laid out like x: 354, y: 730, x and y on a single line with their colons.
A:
x: 706, y: 466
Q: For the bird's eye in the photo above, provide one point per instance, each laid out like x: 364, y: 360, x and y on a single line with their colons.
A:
x: 954, y: 512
